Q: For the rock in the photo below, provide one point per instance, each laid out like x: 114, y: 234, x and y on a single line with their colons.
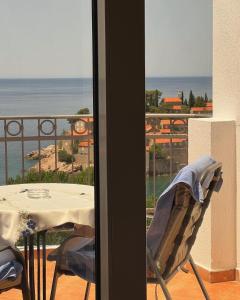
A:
x: 47, y: 161
x: 44, y: 153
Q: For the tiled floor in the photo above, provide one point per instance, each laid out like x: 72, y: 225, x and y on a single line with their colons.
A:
x: 182, y: 287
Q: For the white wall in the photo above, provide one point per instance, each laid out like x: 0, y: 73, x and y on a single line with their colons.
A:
x: 220, y: 235
x: 226, y: 78
x: 215, y: 247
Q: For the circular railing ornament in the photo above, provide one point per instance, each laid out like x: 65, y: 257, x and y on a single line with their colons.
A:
x: 80, y: 126
x: 50, y: 130
x: 18, y: 127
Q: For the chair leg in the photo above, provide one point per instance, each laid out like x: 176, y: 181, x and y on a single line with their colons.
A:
x: 160, y: 280
x: 54, y: 283
x: 164, y: 288
x: 199, y: 279
x: 87, y: 290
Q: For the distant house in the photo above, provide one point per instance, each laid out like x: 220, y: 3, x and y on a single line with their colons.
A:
x: 172, y: 101
x: 203, y: 110
x: 172, y: 105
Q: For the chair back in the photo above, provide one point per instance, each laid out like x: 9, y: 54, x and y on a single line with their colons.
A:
x: 185, y: 219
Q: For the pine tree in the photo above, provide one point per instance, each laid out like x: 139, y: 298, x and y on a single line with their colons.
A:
x: 182, y: 97
x: 191, y: 101
x: 206, y: 98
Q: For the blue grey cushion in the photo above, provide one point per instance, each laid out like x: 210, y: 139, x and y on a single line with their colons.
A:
x: 10, y: 270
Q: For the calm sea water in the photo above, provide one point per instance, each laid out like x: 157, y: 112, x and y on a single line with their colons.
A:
x: 67, y: 96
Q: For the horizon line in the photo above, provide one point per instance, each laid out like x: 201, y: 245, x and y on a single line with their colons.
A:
x: 86, y: 77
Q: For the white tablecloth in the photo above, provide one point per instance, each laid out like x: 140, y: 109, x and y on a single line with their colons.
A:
x: 21, y: 215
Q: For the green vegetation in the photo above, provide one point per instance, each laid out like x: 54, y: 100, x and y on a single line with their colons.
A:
x: 84, y: 177
x: 191, y: 100
x: 154, y: 104
x: 200, y: 102
x: 52, y: 238
x: 83, y: 111
x: 150, y: 202
x: 64, y: 156
x: 159, y: 152
x: 152, y: 99
x: 75, y: 146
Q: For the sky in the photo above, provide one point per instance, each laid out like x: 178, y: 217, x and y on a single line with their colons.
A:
x: 52, y: 38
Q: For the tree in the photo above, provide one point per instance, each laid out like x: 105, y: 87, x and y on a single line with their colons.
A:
x: 83, y: 111
x: 185, y: 102
x: 182, y: 97
x: 199, y: 102
x: 206, y: 98
x: 152, y: 99
x: 158, y: 151
x: 63, y: 156
x: 191, y: 101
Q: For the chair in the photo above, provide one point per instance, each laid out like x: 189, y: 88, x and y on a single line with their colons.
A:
x: 185, y: 219
x: 83, y: 237
x: 13, y: 272
x: 172, y: 246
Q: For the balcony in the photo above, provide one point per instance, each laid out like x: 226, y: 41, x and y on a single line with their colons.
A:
x: 60, y: 149
x: 73, y: 287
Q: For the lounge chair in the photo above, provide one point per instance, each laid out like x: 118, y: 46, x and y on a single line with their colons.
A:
x: 13, y: 272
x: 170, y: 237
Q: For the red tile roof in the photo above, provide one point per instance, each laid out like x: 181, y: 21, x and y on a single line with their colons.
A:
x: 165, y: 130
x: 168, y: 141
x: 172, y: 100
x: 197, y: 108
x: 177, y: 107
x: 209, y: 104
x: 85, y: 143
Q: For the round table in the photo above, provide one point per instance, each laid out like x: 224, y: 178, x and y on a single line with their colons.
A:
x: 21, y: 215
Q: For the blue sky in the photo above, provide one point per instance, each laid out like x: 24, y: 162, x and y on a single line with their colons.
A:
x: 52, y: 38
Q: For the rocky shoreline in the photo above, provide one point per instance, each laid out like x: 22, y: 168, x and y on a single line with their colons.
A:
x: 47, y: 161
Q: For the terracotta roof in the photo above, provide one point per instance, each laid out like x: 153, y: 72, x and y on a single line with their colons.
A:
x: 165, y: 122
x: 208, y: 108
x: 167, y: 141
x: 179, y: 122
x: 177, y: 107
x: 197, y: 108
x: 176, y: 122
x: 172, y: 100
x: 86, y: 119
x: 209, y: 104
x: 85, y: 143
x: 167, y: 130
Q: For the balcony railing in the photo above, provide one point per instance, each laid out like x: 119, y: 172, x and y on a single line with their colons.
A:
x: 65, y: 144
x: 37, y: 142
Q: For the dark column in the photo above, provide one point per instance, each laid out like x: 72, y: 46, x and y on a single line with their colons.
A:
x: 121, y: 124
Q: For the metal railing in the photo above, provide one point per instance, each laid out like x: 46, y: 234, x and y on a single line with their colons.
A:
x: 166, y: 149
x: 23, y: 136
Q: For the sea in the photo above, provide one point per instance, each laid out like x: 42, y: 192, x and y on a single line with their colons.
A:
x: 66, y: 96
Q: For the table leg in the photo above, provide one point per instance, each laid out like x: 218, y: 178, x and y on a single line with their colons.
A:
x: 26, y: 252
x: 38, y: 267
x: 44, y: 258
x: 31, y: 267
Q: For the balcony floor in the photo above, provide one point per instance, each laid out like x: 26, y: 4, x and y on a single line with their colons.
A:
x: 182, y: 287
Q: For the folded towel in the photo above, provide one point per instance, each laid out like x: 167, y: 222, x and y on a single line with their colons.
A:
x: 190, y: 175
